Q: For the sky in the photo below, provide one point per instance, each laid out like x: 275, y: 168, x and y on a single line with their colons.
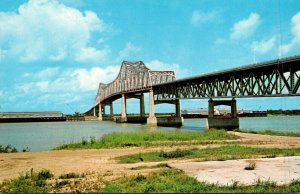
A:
x: 53, y: 54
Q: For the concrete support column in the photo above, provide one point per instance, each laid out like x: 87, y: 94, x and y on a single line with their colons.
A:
x: 111, y: 110
x: 233, y: 108
x: 142, y: 106
x: 177, y: 105
x: 94, y: 111
x: 100, y: 118
x: 151, y: 120
x: 123, y: 113
x: 224, y: 122
x: 211, y: 108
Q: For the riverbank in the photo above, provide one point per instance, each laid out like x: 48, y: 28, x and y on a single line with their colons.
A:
x: 100, y: 165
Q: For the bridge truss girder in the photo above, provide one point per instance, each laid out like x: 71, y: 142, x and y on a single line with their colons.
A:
x: 133, y: 77
x: 280, y: 78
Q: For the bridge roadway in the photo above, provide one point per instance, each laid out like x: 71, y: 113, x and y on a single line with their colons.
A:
x: 275, y: 78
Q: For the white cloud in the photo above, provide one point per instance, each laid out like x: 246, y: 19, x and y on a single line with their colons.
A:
x: 47, y: 29
x: 70, y: 80
x: 245, y: 27
x: 42, y: 86
x: 295, y: 23
x: 129, y: 48
x: 48, y: 72
x: 90, y: 79
x: 199, y: 17
x: 157, y: 65
x: 2, y: 92
x: 59, y: 56
x: 44, y: 74
x: 24, y: 88
x: 90, y: 54
x: 220, y: 41
x: 263, y: 46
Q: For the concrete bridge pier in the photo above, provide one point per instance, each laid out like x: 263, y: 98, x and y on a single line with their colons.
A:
x: 151, y: 120
x: 100, y: 118
x: 222, y: 122
x: 142, y: 105
x: 173, y: 120
x: 111, y: 112
x: 123, y: 118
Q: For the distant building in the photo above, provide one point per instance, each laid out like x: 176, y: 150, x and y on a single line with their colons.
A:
x: 204, y: 111
x: 30, y: 114
x: 11, y: 117
x: 197, y: 111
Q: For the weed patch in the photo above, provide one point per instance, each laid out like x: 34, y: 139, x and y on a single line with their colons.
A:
x: 174, y: 181
x: 31, y: 182
x: 207, y: 154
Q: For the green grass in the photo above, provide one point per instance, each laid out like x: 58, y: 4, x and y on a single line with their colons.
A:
x: 269, y: 132
x: 160, y: 165
x: 175, y: 181
x: 31, y: 182
x: 149, y: 139
x: 163, y: 181
x: 206, y: 154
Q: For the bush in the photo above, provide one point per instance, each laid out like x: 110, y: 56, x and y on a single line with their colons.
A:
x: 8, y: 149
x: 251, y: 165
x: 175, y: 154
x: 27, y: 149
x: 92, y: 139
x: 84, y: 141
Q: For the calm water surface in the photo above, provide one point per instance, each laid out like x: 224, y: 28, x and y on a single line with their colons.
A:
x: 45, y: 136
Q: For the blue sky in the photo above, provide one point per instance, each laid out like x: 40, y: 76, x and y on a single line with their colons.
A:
x: 54, y: 53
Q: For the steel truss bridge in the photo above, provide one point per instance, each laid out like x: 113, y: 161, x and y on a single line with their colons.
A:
x: 267, y: 79
x: 275, y: 78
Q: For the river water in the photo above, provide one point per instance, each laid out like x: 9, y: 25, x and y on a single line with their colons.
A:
x: 47, y: 135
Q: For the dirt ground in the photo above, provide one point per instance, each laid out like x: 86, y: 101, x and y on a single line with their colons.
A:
x: 281, y: 170
x: 102, y: 161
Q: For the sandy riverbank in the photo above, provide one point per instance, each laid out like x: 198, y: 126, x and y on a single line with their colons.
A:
x: 102, y: 161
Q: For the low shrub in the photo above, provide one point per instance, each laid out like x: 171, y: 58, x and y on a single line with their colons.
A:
x: 8, y: 149
x: 71, y: 175
x: 178, y: 153
x: 251, y: 165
